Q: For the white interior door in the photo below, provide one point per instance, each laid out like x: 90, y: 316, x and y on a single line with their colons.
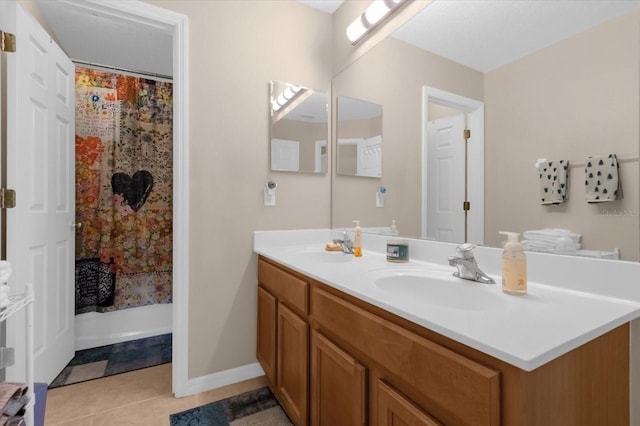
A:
x: 41, y: 168
x: 445, y: 179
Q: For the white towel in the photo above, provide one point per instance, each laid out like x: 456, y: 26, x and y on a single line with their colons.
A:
x: 551, y: 235
x: 553, y: 181
x: 541, y: 246
x: 5, y: 271
x: 602, y: 182
x: 600, y: 254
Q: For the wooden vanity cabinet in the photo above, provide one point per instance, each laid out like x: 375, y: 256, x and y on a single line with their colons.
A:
x: 266, y: 345
x: 338, y: 385
x: 411, y: 379
x: 394, y: 409
x: 419, y: 377
x: 353, y: 363
x: 283, y: 337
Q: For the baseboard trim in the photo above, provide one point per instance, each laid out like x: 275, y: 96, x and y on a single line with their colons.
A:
x: 220, y: 379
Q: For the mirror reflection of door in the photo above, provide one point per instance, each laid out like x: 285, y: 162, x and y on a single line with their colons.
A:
x: 453, y: 167
x: 285, y: 155
x: 359, y: 138
x: 446, y: 179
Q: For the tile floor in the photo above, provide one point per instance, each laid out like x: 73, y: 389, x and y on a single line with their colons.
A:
x: 141, y: 397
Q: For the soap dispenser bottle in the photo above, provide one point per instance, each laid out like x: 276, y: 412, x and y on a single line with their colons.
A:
x: 357, y: 240
x: 514, y: 266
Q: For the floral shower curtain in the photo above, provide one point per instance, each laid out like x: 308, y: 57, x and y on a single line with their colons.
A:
x: 124, y: 179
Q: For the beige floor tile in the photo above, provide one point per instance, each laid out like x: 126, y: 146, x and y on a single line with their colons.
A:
x: 93, y: 370
x: 138, y: 398
x: 95, y: 396
x: 271, y: 417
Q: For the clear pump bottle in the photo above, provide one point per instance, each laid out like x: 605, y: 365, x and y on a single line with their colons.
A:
x: 514, y: 266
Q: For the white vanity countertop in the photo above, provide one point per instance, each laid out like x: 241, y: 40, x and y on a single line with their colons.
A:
x: 526, y: 331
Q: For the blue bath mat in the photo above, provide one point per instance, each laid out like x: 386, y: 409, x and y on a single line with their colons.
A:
x: 258, y: 407
x: 103, y: 361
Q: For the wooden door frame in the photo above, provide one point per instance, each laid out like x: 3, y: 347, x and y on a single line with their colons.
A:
x: 475, y: 111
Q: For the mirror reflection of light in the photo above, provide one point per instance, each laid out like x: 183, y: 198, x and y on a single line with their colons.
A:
x: 356, y: 29
x: 376, y: 11
x: 290, y: 91
x: 373, y: 15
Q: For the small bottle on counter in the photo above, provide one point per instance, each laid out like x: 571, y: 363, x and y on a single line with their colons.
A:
x: 514, y: 266
x: 394, y: 228
x: 357, y: 240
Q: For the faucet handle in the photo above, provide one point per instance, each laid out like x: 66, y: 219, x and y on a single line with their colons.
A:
x: 466, y: 250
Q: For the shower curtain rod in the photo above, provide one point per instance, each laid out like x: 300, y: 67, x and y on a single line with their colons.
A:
x: 129, y: 71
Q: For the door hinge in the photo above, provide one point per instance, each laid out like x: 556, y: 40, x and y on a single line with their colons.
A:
x: 466, y: 134
x: 466, y: 205
x: 7, y: 42
x: 7, y: 198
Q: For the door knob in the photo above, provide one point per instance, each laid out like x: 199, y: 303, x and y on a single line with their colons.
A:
x: 76, y: 225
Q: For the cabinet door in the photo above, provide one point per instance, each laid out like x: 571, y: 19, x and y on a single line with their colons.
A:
x: 293, y: 364
x: 338, y: 393
x: 395, y: 410
x: 266, y: 345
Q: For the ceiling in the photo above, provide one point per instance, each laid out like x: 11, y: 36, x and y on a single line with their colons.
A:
x: 486, y: 34
x: 86, y: 31
x: 481, y: 34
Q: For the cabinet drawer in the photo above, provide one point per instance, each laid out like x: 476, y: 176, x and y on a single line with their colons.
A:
x: 453, y: 388
x: 288, y: 288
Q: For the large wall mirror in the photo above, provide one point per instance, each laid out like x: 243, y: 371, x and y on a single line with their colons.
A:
x: 359, y: 137
x: 298, y: 128
x: 574, y: 97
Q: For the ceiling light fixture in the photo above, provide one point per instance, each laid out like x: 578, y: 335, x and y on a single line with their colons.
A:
x: 290, y: 91
x: 372, y: 16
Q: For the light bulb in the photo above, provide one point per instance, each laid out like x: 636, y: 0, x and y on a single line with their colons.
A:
x: 288, y: 92
x: 356, y: 29
x: 376, y: 11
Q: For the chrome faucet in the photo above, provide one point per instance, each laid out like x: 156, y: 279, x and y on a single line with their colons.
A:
x: 467, y: 265
x: 346, y: 243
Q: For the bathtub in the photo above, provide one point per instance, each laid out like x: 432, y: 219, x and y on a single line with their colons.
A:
x: 95, y: 329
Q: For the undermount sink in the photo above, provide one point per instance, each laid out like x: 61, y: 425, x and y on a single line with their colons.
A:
x: 327, y: 256
x: 435, y: 287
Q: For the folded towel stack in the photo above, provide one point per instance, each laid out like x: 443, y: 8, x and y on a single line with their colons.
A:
x: 5, y: 274
x: 561, y: 241
x: 601, y: 179
x: 601, y: 254
x: 553, y: 181
x: 13, y: 400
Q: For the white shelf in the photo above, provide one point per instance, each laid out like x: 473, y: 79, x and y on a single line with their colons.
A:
x: 16, y: 303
